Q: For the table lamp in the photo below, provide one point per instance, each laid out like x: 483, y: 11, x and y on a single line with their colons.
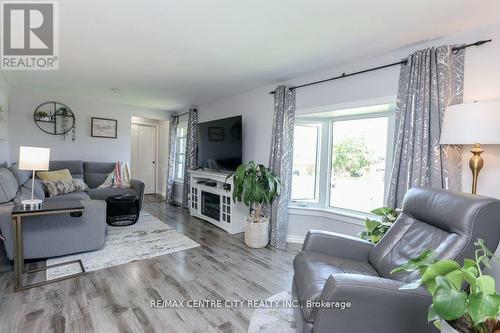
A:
x: 33, y: 159
x: 472, y: 124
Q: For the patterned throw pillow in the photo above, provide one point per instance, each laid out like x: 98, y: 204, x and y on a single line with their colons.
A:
x: 61, y: 187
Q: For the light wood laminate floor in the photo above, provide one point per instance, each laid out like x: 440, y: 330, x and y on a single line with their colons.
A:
x: 118, y: 299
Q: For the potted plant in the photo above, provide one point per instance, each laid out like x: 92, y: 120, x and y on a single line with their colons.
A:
x: 256, y: 186
x: 464, y: 300
x: 43, y: 116
x: 375, y: 229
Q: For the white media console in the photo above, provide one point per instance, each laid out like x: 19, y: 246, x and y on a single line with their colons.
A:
x: 210, y: 199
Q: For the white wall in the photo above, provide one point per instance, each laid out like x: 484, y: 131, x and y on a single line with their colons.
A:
x: 23, y: 131
x: 4, y: 125
x: 482, y: 82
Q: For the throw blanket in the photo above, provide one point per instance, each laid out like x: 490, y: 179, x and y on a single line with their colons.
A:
x: 119, y: 177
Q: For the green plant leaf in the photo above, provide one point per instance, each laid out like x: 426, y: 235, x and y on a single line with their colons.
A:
x: 382, y: 211
x: 412, y: 285
x: 441, y: 267
x: 482, y: 246
x: 469, y: 263
x: 456, y: 278
x: 483, y: 307
x: 470, y: 277
x: 486, y: 285
x: 425, y: 259
x: 432, y: 315
x: 371, y: 224
x: 448, y: 303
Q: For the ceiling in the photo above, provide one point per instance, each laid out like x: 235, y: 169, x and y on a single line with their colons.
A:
x: 168, y: 54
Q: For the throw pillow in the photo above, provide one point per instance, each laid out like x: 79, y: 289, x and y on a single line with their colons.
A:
x: 61, y: 187
x: 8, y: 185
x: 54, y: 176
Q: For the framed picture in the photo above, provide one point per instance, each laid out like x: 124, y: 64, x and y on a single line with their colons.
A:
x: 216, y: 134
x: 104, y: 128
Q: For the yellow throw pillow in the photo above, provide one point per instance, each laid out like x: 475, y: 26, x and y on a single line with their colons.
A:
x: 54, y: 176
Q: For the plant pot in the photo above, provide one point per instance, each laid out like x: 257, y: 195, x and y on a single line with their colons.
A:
x: 256, y: 233
x: 446, y: 328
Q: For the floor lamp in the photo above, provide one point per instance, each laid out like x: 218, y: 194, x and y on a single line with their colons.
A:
x: 472, y: 124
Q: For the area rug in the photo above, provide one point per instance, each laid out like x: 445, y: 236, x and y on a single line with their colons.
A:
x: 148, y: 238
x: 275, y: 319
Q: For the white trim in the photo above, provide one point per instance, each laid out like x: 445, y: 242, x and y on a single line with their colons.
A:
x: 330, y: 213
x: 295, y: 239
x: 348, y: 105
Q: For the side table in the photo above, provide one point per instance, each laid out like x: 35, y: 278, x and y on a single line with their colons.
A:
x: 48, y: 208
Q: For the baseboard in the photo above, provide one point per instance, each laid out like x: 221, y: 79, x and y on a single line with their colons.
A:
x: 295, y: 239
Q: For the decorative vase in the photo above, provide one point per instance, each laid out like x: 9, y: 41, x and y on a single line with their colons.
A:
x: 256, y: 233
x: 446, y: 328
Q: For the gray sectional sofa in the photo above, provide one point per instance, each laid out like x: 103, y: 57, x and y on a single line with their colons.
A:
x: 93, y: 174
x: 53, y: 236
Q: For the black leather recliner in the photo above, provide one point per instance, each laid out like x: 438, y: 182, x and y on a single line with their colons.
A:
x: 334, y: 267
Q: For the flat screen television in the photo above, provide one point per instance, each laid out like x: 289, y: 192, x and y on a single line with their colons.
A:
x: 220, y: 144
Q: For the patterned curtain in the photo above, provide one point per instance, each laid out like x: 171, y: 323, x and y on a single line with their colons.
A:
x: 281, y: 160
x: 172, y: 150
x: 191, y: 152
x: 431, y: 80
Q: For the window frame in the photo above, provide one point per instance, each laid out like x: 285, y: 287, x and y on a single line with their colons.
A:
x: 178, y: 154
x: 325, y: 165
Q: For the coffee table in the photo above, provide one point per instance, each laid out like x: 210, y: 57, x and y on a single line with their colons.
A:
x: 47, y: 208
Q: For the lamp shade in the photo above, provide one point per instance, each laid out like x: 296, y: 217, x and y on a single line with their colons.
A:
x: 471, y: 123
x: 34, y: 158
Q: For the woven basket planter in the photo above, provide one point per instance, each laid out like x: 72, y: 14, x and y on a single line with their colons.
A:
x: 257, y: 233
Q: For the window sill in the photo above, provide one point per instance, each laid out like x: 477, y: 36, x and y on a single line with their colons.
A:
x: 178, y: 182
x: 356, y: 218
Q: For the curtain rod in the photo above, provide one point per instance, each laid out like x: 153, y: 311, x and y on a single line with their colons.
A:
x: 182, y: 114
x: 344, y: 75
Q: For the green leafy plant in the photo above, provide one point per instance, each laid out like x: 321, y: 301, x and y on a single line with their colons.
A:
x: 461, y: 295
x: 42, y: 114
x: 255, y: 186
x: 375, y: 229
x: 351, y: 157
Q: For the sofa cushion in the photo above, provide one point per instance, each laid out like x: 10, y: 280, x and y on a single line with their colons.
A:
x: 104, y: 193
x: 8, y: 185
x: 74, y: 167
x: 22, y: 176
x: 97, y: 172
x: 69, y: 197
x: 24, y: 193
x: 40, y: 189
x: 312, y: 269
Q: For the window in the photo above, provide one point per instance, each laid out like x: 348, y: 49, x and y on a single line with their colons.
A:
x: 342, y: 158
x: 305, y: 162
x: 359, y: 150
x: 180, y: 155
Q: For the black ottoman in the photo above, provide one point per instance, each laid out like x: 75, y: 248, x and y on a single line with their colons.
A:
x: 122, y: 210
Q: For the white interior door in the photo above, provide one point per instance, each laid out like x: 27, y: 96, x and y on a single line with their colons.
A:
x: 143, y: 162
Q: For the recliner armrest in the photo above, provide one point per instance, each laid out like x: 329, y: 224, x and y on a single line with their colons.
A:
x: 337, y: 245
x: 138, y: 186
x: 377, y: 304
